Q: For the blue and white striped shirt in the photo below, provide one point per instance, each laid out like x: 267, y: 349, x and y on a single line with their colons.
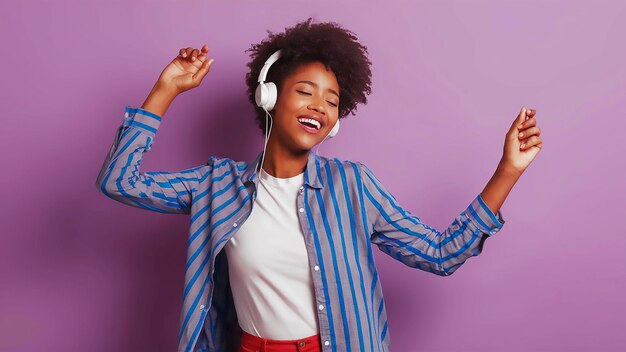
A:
x: 342, y: 207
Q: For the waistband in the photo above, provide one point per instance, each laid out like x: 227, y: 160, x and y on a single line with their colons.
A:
x: 307, y: 344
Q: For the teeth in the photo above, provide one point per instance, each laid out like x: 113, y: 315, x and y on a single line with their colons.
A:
x: 315, y: 122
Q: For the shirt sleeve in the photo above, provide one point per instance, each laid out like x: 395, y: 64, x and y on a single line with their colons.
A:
x: 403, y: 236
x: 121, y: 180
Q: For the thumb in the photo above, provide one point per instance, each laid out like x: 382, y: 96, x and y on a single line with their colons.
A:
x: 204, y: 69
x: 521, y: 117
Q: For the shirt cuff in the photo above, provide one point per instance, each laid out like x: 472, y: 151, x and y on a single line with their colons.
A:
x: 483, y: 217
x: 142, y: 119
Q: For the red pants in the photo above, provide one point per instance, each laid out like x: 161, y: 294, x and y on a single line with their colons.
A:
x: 251, y: 343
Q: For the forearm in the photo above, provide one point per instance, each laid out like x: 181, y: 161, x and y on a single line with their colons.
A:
x: 499, y: 186
x: 158, y: 100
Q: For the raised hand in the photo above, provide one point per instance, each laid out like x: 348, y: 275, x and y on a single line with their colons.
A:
x: 187, y: 70
x: 523, y: 141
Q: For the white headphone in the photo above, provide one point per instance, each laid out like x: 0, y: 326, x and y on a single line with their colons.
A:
x: 266, y: 95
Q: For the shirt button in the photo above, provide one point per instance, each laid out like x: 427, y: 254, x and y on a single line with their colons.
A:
x: 202, y: 306
x: 326, y: 343
x: 301, y: 343
x: 317, y: 268
x: 126, y: 114
x: 235, y: 225
x: 301, y: 210
x: 321, y: 306
x: 301, y: 189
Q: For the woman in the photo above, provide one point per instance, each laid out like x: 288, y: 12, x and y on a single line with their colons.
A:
x: 296, y: 227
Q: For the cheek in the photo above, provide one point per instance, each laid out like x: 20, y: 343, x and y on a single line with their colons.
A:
x: 289, y: 98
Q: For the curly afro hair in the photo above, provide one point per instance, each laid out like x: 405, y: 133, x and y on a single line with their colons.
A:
x: 337, y: 48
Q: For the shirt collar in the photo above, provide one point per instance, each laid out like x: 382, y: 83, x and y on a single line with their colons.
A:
x: 312, y: 172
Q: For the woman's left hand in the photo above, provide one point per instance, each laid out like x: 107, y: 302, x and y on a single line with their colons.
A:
x: 523, y: 141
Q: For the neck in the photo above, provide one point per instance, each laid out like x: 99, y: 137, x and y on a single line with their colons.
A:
x: 283, y: 163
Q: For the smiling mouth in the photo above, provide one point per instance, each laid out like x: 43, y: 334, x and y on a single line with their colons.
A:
x: 310, y: 123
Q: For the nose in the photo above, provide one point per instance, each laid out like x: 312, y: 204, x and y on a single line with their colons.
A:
x: 319, y: 107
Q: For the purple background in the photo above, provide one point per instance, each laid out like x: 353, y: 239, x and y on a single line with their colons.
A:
x: 79, y: 271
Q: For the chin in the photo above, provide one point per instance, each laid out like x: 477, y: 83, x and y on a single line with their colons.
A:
x: 304, y: 145
x: 302, y: 141
x: 305, y: 141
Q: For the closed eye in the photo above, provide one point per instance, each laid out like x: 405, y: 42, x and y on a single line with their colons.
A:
x: 331, y: 103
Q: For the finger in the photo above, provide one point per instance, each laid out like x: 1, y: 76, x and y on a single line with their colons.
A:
x: 187, y: 52
x: 199, y: 76
x: 181, y: 51
x: 194, y: 54
x: 519, y: 119
x: 529, y: 142
x: 536, y: 141
x: 203, y: 52
x: 528, y: 123
x: 522, y: 114
x: 529, y: 132
x: 195, y: 59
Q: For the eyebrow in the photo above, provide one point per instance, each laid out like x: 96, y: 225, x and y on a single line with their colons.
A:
x: 315, y: 85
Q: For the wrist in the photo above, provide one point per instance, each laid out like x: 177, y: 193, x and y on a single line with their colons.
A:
x: 159, y: 99
x: 505, y: 168
x: 164, y: 91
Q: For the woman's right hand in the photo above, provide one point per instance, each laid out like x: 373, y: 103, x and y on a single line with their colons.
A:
x: 187, y: 70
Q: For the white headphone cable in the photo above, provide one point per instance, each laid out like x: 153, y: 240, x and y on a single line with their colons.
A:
x: 268, y: 131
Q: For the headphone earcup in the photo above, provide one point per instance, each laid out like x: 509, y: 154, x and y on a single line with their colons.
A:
x: 265, y: 95
x: 272, y: 95
x: 260, y: 95
x: 335, y: 130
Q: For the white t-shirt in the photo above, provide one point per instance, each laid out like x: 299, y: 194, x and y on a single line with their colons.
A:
x: 268, y: 265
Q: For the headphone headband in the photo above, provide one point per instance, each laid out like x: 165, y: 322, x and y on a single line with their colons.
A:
x: 266, y: 66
